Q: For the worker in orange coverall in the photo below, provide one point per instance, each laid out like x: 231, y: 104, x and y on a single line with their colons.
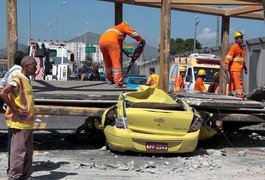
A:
x: 199, y: 83
x: 111, y: 47
x: 214, y: 86
x: 179, y: 81
x: 235, y: 64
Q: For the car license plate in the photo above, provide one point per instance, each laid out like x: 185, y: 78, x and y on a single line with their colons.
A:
x: 155, y: 146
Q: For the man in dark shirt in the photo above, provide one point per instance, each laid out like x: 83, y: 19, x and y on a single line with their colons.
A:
x: 94, y: 74
x: 83, y: 73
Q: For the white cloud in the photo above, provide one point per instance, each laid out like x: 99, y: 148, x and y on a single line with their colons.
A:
x: 207, y: 38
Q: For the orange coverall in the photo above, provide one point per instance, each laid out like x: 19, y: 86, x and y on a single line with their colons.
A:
x: 110, y: 45
x: 199, y: 85
x: 179, y: 85
x: 235, y: 60
x: 153, y: 80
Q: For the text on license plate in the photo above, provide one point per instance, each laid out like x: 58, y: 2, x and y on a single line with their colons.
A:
x: 156, y: 146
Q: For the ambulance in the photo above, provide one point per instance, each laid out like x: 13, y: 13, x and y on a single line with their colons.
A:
x: 193, y: 64
x: 54, y: 60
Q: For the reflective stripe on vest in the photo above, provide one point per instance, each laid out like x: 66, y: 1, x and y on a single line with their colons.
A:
x: 115, y: 30
x: 229, y: 57
x: 24, y: 101
x: 117, y: 71
x: 234, y: 59
x: 238, y: 59
x: 134, y: 34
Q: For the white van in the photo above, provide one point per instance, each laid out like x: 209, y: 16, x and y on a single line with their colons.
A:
x: 193, y: 64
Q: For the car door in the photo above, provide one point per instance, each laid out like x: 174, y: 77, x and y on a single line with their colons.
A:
x: 189, y: 79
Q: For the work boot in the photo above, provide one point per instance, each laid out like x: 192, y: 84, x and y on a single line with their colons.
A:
x: 241, y: 96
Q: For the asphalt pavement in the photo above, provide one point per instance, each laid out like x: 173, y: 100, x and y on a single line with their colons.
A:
x: 57, y: 158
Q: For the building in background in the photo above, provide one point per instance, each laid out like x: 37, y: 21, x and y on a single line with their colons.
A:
x: 3, y: 66
x: 97, y: 56
x: 79, y: 51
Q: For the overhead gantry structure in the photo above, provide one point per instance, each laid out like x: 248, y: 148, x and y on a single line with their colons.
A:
x: 246, y: 9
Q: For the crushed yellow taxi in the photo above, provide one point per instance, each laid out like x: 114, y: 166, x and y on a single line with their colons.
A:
x: 149, y: 120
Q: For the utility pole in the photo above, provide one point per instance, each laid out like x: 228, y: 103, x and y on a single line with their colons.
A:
x: 50, y: 30
x: 86, y: 33
x: 63, y: 3
x: 12, y: 35
x: 196, y: 23
x: 29, y: 20
x: 218, y: 28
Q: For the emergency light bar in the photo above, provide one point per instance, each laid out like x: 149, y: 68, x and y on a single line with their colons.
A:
x: 208, y: 61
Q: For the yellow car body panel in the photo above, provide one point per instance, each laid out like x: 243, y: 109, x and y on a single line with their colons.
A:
x: 126, y: 140
x: 149, y: 120
x: 159, y: 121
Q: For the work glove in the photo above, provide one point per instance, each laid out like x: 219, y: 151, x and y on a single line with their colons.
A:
x: 142, y: 43
x: 246, y: 71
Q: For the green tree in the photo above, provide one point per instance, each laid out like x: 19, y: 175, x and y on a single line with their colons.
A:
x: 180, y: 46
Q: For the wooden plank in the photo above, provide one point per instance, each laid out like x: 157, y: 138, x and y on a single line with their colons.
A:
x: 195, y: 8
x: 199, y: 9
x: 118, y: 20
x: 68, y: 111
x: 263, y: 2
x: 118, y: 13
x: 12, y: 33
x: 255, y: 16
x: 224, y: 48
x: 207, y: 10
x: 202, y: 2
x: 165, y: 44
x: 243, y: 10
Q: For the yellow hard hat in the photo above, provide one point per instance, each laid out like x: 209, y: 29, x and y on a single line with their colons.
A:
x: 216, y: 75
x: 182, y: 69
x: 238, y: 34
x: 202, y: 72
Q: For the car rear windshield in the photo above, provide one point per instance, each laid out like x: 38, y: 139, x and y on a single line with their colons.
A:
x: 154, y: 105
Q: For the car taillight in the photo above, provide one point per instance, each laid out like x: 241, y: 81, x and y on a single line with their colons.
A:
x: 121, y: 122
x: 195, y: 124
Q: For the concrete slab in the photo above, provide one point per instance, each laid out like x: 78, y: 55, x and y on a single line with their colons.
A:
x: 82, y: 92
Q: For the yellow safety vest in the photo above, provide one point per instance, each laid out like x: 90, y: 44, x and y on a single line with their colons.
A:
x: 153, y: 80
x: 23, y: 98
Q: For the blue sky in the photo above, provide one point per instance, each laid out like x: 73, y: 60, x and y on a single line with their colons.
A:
x: 100, y: 16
